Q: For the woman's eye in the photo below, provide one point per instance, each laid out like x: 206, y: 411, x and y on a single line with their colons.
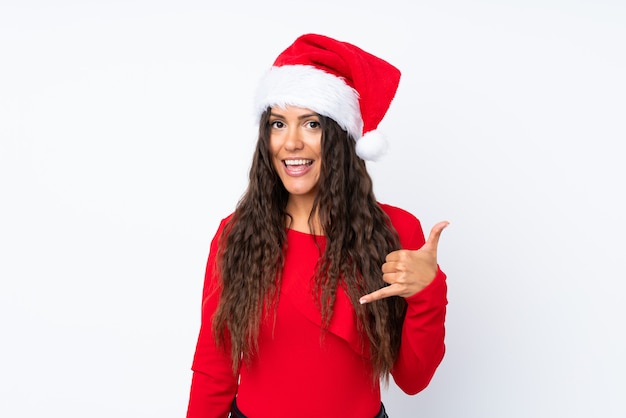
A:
x: 277, y: 124
x: 313, y: 124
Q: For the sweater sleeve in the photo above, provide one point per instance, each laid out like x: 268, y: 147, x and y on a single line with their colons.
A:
x: 213, y: 384
x: 422, y: 345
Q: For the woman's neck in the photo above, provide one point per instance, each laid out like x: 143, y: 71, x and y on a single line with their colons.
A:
x: 300, y: 209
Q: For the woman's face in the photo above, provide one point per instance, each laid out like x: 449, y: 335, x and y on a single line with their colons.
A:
x: 296, y: 149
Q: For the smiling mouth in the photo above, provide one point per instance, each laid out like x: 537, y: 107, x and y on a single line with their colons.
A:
x: 300, y: 162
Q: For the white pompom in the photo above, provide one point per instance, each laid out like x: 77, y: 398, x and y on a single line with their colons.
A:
x: 371, y: 146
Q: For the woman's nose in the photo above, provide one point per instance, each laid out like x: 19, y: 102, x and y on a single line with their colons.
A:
x: 293, y: 141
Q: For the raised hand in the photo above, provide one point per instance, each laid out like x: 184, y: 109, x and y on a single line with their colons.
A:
x: 409, y: 271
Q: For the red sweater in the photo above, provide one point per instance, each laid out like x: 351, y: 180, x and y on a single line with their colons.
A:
x: 294, y: 369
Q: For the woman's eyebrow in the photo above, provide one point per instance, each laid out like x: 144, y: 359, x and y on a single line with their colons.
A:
x: 305, y: 116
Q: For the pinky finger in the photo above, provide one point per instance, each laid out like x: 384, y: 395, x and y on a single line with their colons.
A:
x: 385, y: 292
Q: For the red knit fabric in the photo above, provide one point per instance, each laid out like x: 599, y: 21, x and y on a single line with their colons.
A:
x: 296, y: 370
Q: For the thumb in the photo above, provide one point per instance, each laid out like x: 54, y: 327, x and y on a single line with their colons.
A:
x: 435, y: 233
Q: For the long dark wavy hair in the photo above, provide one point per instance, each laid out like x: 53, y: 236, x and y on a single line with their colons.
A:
x: 358, y: 233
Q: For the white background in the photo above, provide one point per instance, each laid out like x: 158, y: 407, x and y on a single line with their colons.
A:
x: 126, y: 132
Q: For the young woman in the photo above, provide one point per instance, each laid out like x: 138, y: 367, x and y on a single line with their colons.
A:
x: 314, y: 291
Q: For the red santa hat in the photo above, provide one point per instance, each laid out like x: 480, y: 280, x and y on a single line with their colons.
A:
x: 335, y: 79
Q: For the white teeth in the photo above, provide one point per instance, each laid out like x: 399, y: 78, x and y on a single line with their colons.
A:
x: 298, y: 162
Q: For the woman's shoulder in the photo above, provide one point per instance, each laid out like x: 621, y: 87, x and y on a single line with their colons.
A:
x: 222, y: 225
x: 406, y: 224
x: 398, y: 215
x: 227, y: 219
